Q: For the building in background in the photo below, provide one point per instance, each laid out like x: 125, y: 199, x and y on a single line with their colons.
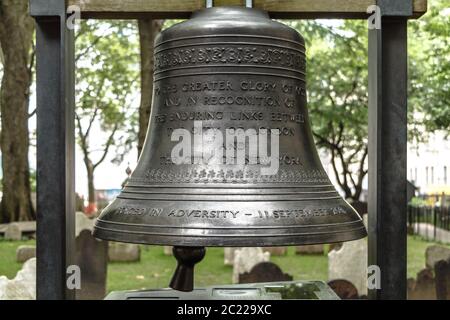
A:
x: 429, y: 167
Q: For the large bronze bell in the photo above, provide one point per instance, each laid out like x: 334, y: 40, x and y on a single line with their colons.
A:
x: 229, y: 68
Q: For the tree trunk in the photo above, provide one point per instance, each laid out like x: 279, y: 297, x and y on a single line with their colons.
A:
x: 148, y: 29
x: 92, y: 200
x: 91, y: 187
x: 16, y: 34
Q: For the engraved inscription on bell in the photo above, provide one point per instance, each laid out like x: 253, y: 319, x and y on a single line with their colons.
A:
x: 229, y: 158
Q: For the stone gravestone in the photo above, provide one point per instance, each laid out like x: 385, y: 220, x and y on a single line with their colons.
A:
x: 24, y: 253
x: 442, y: 278
x: 344, y: 289
x: 124, y: 252
x: 91, y: 257
x: 245, y: 259
x: 309, y: 249
x: 229, y: 254
x: 350, y: 263
x: 83, y: 222
x: 23, y: 286
x: 276, y: 251
x: 435, y: 253
x: 264, y: 272
x: 13, y: 232
x: 335, y: 246
x: 17, y: 230
x: 168, y: 250
x: 424, y: 287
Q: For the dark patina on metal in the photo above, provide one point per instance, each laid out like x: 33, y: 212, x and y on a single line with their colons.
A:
x: 229, y: 68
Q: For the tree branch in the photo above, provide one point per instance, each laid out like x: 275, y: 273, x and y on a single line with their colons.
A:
x: 82, y: 136
x: 108, y: 144
x: 324, y: 142
x: 91, y: 121
x: 354, y: 86
x: 88, y: 48
x: 335, y: 170
x: 362, y: 174
x: 345, y: 171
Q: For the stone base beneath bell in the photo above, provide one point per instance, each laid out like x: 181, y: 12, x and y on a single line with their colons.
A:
x: 314, y: 290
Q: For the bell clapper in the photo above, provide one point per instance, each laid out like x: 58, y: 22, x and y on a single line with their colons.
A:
x: 187, y: 257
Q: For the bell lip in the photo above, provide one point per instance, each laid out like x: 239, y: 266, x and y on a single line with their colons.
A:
x: 262, y: 240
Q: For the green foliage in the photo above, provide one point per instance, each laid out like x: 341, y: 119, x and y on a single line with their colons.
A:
x: 337, y: 96
x: 337, y: 82
x: 417, y: 202
x: 107, y: 58
x: 8, y: 264
x: 33, y: 180
x: 429, y: 67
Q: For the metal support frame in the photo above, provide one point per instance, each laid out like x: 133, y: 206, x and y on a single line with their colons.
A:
x: 210, y: 3
x: 56, y: 144
x: 387, y: 156
x: 394, y: 8
x: 55, y: 148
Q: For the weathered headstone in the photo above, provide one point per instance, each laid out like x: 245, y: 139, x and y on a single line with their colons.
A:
x: 350, y: 263
x: 344, y: 289
x: 335, y: 246
x: 264, y: 272
x: 435, y: 253
x: 422, y: 288
x: 25, y: 252
x: 91, y: 257
x: 276, y: 251
x: 168, y: 250
x: 17, y: 230
x: 13, y: 232
x: 83, y: 222
x: 442, y: 277
x: 309, y: 249
x: 124, y: 252
x: 245, y: 259
x: 23, y: 286
x: 229, y: 254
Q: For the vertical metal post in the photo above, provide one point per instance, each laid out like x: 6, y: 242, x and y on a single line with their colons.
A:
x: 55, y: 148
x: 387, y: 155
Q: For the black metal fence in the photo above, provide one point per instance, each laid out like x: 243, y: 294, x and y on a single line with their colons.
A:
x: 429, y: 221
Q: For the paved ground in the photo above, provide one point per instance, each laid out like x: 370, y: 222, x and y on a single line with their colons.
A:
x: 426, y: 230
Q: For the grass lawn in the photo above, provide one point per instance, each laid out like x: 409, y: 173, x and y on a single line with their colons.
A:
x: 8, y: 264
x: 155, y: 269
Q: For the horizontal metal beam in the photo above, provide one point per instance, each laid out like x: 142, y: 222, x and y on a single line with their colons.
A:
x: 395, y: 8
x: 47, y: 8
x: 288, y: 9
